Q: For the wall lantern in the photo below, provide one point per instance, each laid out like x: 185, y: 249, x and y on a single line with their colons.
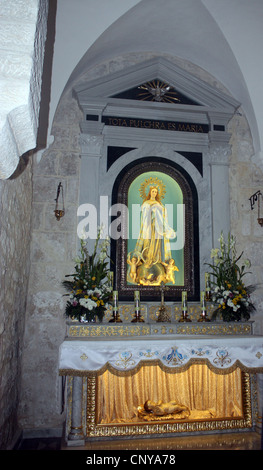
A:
x: 253, y: 199
x: 59, y: 212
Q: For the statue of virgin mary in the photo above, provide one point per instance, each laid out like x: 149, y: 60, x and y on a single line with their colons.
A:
x: 151, y: 262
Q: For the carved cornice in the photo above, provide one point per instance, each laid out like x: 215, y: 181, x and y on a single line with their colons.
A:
x: 196, y: 89
x: 201, y: 124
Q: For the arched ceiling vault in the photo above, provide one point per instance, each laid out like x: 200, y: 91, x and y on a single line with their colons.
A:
x: 186, y: 30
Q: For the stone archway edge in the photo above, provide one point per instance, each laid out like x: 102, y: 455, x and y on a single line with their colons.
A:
x: 23, y: 29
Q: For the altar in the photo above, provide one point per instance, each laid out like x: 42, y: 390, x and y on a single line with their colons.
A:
x: 210, y: 372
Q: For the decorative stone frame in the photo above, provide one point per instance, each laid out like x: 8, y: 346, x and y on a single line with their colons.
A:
x: 191, y: 247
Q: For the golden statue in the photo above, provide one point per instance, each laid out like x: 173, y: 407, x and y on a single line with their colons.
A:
x: 169, y: 270
x: 158, y: 411
x: 172, y: 410
x: 151, y: 262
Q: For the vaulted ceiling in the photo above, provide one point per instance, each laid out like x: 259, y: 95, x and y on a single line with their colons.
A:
x: 222, y: 37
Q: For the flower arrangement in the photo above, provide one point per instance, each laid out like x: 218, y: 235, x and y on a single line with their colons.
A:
x: 228, y: 288
x: 90, y: 289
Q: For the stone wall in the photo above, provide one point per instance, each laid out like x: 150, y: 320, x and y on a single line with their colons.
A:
x: 23, y: 27
x: 54, y: 243
x: 15, y: 216
x: 245, y: 178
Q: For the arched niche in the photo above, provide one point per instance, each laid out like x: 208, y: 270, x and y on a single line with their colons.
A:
x: 181, y: 201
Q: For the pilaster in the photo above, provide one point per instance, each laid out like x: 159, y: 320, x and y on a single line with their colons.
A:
x: 219, y: 174
x: 91, y: 152
x: 76, y: 436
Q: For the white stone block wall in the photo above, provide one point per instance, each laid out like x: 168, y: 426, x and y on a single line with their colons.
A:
x: 53, y: 248
x: 23, y: 27
x: 246, y: 178
x: 15, y: 236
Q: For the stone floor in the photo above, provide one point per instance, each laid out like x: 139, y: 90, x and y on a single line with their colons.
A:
x: 40, y: 444
x: 228, y: 441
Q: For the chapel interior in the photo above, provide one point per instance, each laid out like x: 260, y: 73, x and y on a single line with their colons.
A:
x: 98, y: 99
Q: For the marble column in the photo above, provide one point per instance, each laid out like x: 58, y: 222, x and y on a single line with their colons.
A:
x: 76, y: 435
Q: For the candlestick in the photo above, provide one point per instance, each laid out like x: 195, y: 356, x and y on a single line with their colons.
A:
x: 163, y: 313
x: 115, y: 308
x: 137, y: 308
x: 203, y: 316
x: 184, y: 316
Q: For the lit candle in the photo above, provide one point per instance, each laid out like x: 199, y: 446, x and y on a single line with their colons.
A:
x: 203, y: 316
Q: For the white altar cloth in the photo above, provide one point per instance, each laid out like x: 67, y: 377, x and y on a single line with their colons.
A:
x: 222, y: 353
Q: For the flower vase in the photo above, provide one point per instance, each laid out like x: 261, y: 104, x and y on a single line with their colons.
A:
x: 228, y: 315
x: 88, y: 317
